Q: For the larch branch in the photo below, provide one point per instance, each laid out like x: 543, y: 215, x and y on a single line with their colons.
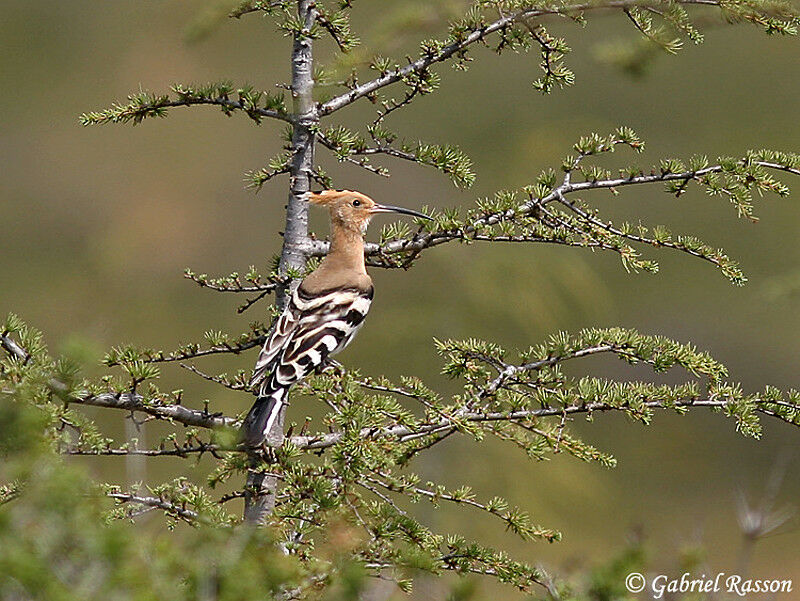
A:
x: 478, y: 35
x: 424, y: 240
x: 405, y: 433
x: 128, y: 401
x: 123, y: 114
x: 187, y: 515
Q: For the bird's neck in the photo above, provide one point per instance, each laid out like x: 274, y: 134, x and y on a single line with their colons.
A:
x: 346, y: 251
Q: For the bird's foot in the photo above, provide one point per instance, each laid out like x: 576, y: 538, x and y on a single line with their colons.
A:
x: 332, y: 367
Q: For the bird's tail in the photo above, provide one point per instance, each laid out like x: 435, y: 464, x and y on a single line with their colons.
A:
x: 262, y: 416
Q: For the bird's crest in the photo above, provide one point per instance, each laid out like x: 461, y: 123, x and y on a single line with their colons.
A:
x: 330, y: 197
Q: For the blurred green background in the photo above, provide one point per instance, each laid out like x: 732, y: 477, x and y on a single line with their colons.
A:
x: 98, y: 224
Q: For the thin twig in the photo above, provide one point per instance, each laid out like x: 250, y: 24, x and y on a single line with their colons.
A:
x: 192, y: 517
x: 455, y: 48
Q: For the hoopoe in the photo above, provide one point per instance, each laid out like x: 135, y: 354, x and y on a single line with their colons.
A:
x: 323, y: 314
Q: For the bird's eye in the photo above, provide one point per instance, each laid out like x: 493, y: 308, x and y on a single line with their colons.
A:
x: 356, y: 203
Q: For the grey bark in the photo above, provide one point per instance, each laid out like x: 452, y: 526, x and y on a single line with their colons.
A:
x: 261, y: 489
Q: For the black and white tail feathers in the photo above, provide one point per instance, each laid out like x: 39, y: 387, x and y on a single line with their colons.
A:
x: 262, y: 415
x: 313, y: 327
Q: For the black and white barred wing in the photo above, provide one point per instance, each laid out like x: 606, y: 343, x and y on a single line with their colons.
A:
x: 312, y: 328
x: 274, y: 345
x: 327, y: 324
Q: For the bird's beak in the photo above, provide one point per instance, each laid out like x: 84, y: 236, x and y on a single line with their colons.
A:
x: 390, y: 209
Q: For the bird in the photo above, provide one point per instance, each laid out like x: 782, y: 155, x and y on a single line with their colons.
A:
x: 322, y: 314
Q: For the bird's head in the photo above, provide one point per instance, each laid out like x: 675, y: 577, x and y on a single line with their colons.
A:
x: 354, y: 210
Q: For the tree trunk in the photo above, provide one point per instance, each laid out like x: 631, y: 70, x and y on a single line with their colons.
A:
x: 261, y: 490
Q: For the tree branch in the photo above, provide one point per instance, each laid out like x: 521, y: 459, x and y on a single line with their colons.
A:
x: 192, y: 353
x: 457, y: 47
x: 251, y: 6
x: 12, y: 348
x: 178, y: 451
x: 187, y: 515
x: 128, y: 401
x: 406, y: 433
x: 363, y: 163
x: 424, y: 240
x: 147, y: 105
x: 231, y: 284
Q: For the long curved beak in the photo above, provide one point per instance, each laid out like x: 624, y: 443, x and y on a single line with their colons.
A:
x: 390, y: 209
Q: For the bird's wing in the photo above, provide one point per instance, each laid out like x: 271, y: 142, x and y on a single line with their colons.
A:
x: 312, y: 327
x: 275, y: 343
